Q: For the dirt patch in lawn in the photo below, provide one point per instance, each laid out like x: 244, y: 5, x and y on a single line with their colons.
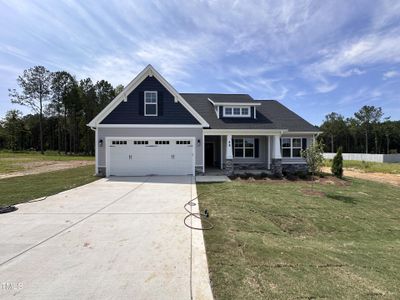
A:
x: 310, y: 192
x: 393, y: 179
x: 38, y: 167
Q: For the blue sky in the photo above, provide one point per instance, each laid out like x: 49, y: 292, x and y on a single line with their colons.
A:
x: 314, y: 56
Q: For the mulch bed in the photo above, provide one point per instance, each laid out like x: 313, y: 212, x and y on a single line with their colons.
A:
x: 326, y: 180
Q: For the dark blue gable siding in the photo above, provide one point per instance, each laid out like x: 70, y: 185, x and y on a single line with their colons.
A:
x: 131, y: 112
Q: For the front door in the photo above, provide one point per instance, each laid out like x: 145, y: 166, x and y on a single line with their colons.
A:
x: 209, y: 154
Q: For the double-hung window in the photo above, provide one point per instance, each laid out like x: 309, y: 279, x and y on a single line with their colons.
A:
x: 291, y: 147
x: 150, y: 103
x: 243, y: 147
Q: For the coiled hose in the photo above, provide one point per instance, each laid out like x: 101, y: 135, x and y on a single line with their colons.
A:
x: 202, y: 216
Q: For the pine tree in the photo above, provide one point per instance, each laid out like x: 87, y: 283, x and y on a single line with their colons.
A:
x: 337, y: 164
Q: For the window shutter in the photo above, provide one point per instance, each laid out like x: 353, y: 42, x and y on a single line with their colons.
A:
x: 160, y: 103
x: 304, y: 144
x: 141, y: 103
x: 256, y: 148
x: 221, y: 111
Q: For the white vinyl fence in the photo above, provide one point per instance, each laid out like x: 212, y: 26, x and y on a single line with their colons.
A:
x: 389, y: 158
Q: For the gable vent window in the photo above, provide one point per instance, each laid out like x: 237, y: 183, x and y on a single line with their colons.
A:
x: 236, y: 111
x: 183, y: 142
x: 140, y: 142
x: 162, y: 142
x: 150, y: 103
x: 119, y: 142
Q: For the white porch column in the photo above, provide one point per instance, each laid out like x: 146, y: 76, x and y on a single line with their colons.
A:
x: 229, y: 154
x: 222, y: 151
x: 269, y: 152
x: 276, y: 153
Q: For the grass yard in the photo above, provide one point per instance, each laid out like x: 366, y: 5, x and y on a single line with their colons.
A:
x: 370, y: 167
x: 271, y: 241
x: 21, y: 189
x: 15, y: 161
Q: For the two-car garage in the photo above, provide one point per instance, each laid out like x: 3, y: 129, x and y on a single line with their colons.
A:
x: 150, y: 156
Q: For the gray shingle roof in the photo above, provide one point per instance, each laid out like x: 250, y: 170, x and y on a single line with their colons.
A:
x: 270, y: 114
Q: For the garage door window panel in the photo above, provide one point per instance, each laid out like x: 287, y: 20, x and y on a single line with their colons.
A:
x: 162, y: 143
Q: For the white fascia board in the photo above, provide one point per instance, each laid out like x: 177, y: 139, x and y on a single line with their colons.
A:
x: 236, y: 104
x: 244, y: 131
x: 211, y: 101
x: 148, y: 71
x: 149, y: 126
x: 304, y: 132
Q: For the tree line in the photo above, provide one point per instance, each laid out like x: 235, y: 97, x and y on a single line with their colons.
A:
x: 61, y: 107
x: 368, y: 131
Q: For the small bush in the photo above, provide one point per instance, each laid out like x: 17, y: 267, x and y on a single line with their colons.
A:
x: 337, y: 164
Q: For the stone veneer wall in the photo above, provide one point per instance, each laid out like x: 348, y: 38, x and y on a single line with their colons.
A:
x: 228, y: 167
x: 276, y: 167
x: 250, y: 166
x: 294, y: 168
x: 198, y: 170
x: 101, y: 171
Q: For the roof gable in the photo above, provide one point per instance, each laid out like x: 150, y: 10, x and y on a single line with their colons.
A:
x: 132, y: 111
x: 149, y: 71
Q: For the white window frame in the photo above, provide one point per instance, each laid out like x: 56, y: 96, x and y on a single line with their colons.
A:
x: 151, y: 103
x: 240, y: 115
x: 291, y: 146
x: 244, y: 147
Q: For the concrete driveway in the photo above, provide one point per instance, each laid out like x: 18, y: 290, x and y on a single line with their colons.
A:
x: 119, y: 238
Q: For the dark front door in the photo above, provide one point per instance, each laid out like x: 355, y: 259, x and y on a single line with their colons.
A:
x: 209, y: 154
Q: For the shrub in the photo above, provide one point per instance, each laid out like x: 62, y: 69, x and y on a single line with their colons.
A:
x: 337, y: 164
x: 314, y: 157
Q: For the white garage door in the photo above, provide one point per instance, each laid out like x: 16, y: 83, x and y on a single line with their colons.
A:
x: 150, y: 156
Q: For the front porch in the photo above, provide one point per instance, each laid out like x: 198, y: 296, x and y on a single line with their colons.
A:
x: 242, y: 152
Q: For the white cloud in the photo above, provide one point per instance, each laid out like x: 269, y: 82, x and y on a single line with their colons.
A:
x: 368, y: 50
x: 326, y: 87
x: 362, y: 96
x: 390, y: 74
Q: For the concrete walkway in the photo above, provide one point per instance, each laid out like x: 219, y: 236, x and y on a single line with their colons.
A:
x: 120, y: 238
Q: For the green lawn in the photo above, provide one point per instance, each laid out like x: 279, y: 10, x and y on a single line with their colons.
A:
x: 13, y: 161
x: 271, y: 241
x: 24, y: 188
x: 365, y: 166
